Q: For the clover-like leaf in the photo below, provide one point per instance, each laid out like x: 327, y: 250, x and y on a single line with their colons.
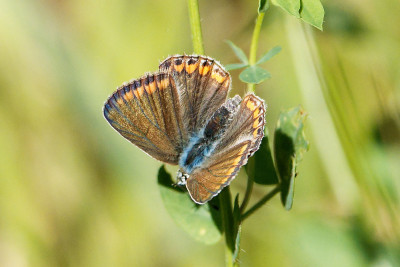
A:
x: 267, y: 56
x: 312, y: 12
x: 263, y: 6
x: 238, y: 52
x: 291, y: 6
x: 289, y: 146
x: 235, y: 66
x: 254, y: 74
x: 202, y: 222
x: 260, y: 166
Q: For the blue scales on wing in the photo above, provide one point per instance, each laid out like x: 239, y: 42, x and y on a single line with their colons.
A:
x: 241, y: 138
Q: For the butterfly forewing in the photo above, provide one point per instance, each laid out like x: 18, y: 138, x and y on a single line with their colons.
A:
x: 147, y: 113
x: 203, y: 86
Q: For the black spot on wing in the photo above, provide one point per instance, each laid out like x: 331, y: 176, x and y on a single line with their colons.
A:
x: 178, y: 61
x: 191, y: 61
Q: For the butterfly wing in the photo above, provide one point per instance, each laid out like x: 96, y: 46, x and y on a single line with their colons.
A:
x: 248, y: 124
x: 147, y: 112
x: 205, y: 183
x: 241, y: 139
x: 203, y: 85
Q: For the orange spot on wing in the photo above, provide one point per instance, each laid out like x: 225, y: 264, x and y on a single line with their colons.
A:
x: 250, y: 104
x: 150, y: 88
x: 178, y: 68
x: 216, y: 76
x: 255, y: 133
x: 256, y: 112
x: 139, y: 92
x: 204, y: 70
x: 128, y: 96
x: 153, y: 87
x: 256, y: 124
x: 191, y: 68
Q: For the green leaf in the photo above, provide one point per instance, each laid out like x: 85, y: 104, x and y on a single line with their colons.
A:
x: 235, y: 255
x: 238, y: 52
x: 291, y: 6
x: 202, y: 222
x: 254, y: 74
x: 289, y: 146
x: 263, y: 6
x: 236, y: 214
x: 312, y: 12
x: 237, y: 228
x: 269, y: 55
x: 235, y: 66
x: 260, y: 166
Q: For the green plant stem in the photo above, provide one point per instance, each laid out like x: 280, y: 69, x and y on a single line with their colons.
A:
x: 195, y: 27
x: 225, y: 206
x: 262, y: 201
x: 225, y: 195
x: 254, y: 46
x: 251, y: 88
x: 246, y: 199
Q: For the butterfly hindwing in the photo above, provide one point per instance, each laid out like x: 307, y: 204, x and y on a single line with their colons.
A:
x: 241, y: 139
x: 207, y: 182
x: 147, y: 112
x: 203, y: 85
x: 248, y: 124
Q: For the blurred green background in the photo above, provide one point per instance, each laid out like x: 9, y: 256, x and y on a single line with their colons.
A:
x: 75, y: 193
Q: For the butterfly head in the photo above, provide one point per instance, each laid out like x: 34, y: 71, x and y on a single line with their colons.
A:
x: 181, y: 178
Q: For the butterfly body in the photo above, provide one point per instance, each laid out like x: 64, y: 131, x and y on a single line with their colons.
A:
x: 181, y: 116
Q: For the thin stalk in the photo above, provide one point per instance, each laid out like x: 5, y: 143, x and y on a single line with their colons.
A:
x: 262, y: 201
x: 225, y: 195
x: 254, y: 46
x: 251, y: 88
x: 195, y: 27
x: 246, y: 199
x: 227, y: 224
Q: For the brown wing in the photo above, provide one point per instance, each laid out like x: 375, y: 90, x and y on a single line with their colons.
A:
x: 242, y: 139
x: 205, y: 183
x: 248, y: 124
x: 147, y: 113
x: 203, y: 86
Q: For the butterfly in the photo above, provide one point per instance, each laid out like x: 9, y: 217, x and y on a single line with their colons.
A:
x: 181, y: 115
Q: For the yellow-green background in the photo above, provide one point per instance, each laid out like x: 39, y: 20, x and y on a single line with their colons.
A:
x: 75, y: 193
